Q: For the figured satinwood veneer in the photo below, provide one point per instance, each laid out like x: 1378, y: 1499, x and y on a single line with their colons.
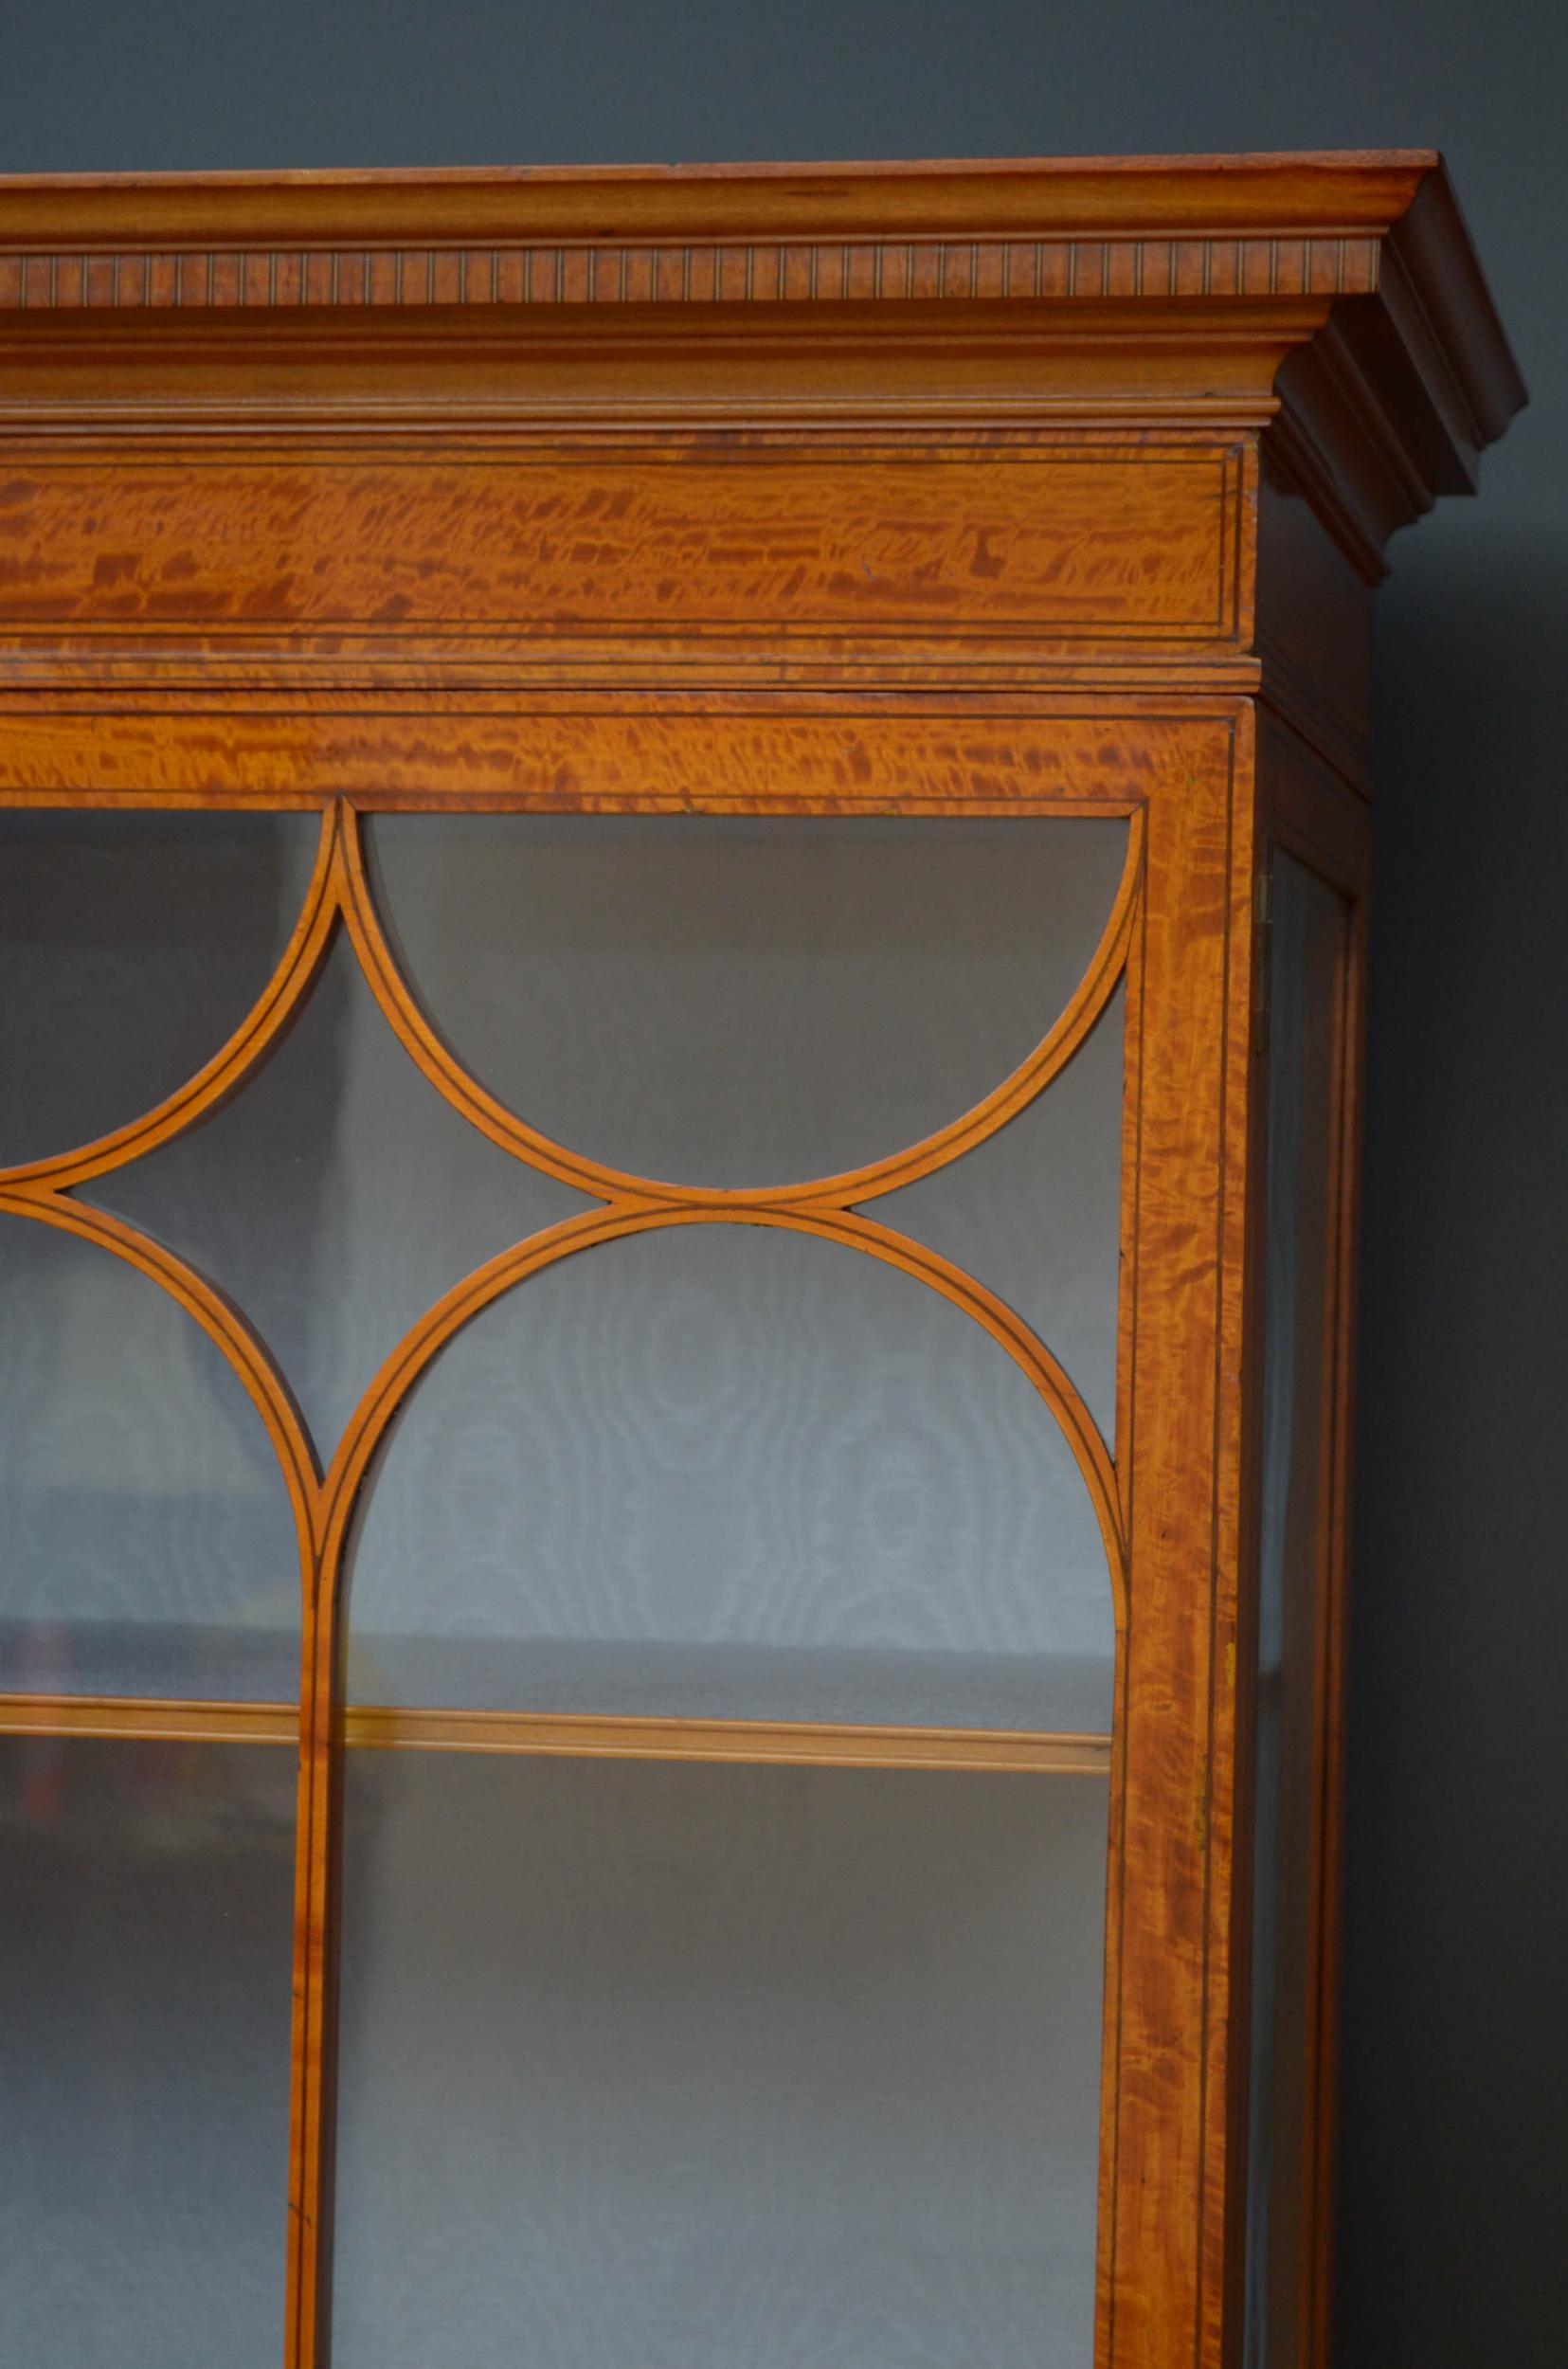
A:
x: 1041, y: 488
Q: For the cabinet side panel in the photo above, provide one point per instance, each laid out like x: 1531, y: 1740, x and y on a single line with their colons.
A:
x: 1314, y: 626
x: 1310, y: 933
x: 1316, y: 828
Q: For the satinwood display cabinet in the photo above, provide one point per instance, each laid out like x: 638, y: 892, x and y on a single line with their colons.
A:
x: 681, y: 867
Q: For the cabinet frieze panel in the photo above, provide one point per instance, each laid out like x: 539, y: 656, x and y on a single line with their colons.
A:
x: 722, y: 550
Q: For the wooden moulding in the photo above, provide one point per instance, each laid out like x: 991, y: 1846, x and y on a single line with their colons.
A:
x: 715, y: 424
x: 970, y: 489
x: 941, y: 762
x: 645, y: 751
x: 148, y: 1720
x: 565, y: 1735
x: 482, y: 565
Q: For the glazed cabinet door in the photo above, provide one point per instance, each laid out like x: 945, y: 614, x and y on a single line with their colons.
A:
x: 683, y: 1338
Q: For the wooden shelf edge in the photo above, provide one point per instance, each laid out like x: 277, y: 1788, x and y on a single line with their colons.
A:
x: 146, y: 1720
x: 587, y: 1737
x: 579, y: 1736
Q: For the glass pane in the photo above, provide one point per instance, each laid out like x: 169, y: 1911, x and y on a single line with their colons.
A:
x: 146, y: 1545
x: 730, y: 1001
x: 733, y: 1472
x: 132, y: 946
x: 335, y: 1197
x: 1034, y: 1212
x: 145, y: 1971
x: 1309, y: 942
x: 676, y: 2065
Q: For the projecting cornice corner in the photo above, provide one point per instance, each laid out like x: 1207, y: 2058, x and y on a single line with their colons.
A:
x: 1332, y: 301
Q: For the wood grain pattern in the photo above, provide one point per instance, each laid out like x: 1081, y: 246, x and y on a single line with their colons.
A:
x: 878, y: 271
x: 1311, y: 812
x: 755, y: 235
x: 1161, y: 288
x: 966, y: 490
x: 1361, y: 188
x: 1312, y: 622
x: 1180, y: 1365
x: 570, y: 1736
x: 339, y: 890
x: 724, y: 542
x: 1333, y: 1646
x: 791, y: 1743
x: 1177, y: 780
x: 149, y: 1721
x: 789, y: 754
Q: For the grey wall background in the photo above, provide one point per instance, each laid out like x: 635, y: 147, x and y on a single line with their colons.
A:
x: 1454, y: 2239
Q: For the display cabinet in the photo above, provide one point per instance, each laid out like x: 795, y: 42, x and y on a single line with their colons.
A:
x: 681, y: 886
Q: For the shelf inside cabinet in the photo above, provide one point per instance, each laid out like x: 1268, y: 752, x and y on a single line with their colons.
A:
x: 398, y: 1727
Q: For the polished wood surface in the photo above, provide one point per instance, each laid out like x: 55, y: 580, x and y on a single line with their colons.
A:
x: 1312, y: 625
x: 149, y: 1721
x: 413, y: 565
x: 1317, y: 815
x: 1051, y: 488
x: 568, y: 1736
x: 797, y: 1744
x: 787, y: 752
x: 1337, y: 296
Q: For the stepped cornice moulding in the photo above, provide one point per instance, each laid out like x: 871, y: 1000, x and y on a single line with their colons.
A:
x: 1332, y: 300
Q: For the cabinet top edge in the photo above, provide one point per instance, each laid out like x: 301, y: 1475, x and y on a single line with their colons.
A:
x: 1336, y: 294
x: 1123, y: 196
